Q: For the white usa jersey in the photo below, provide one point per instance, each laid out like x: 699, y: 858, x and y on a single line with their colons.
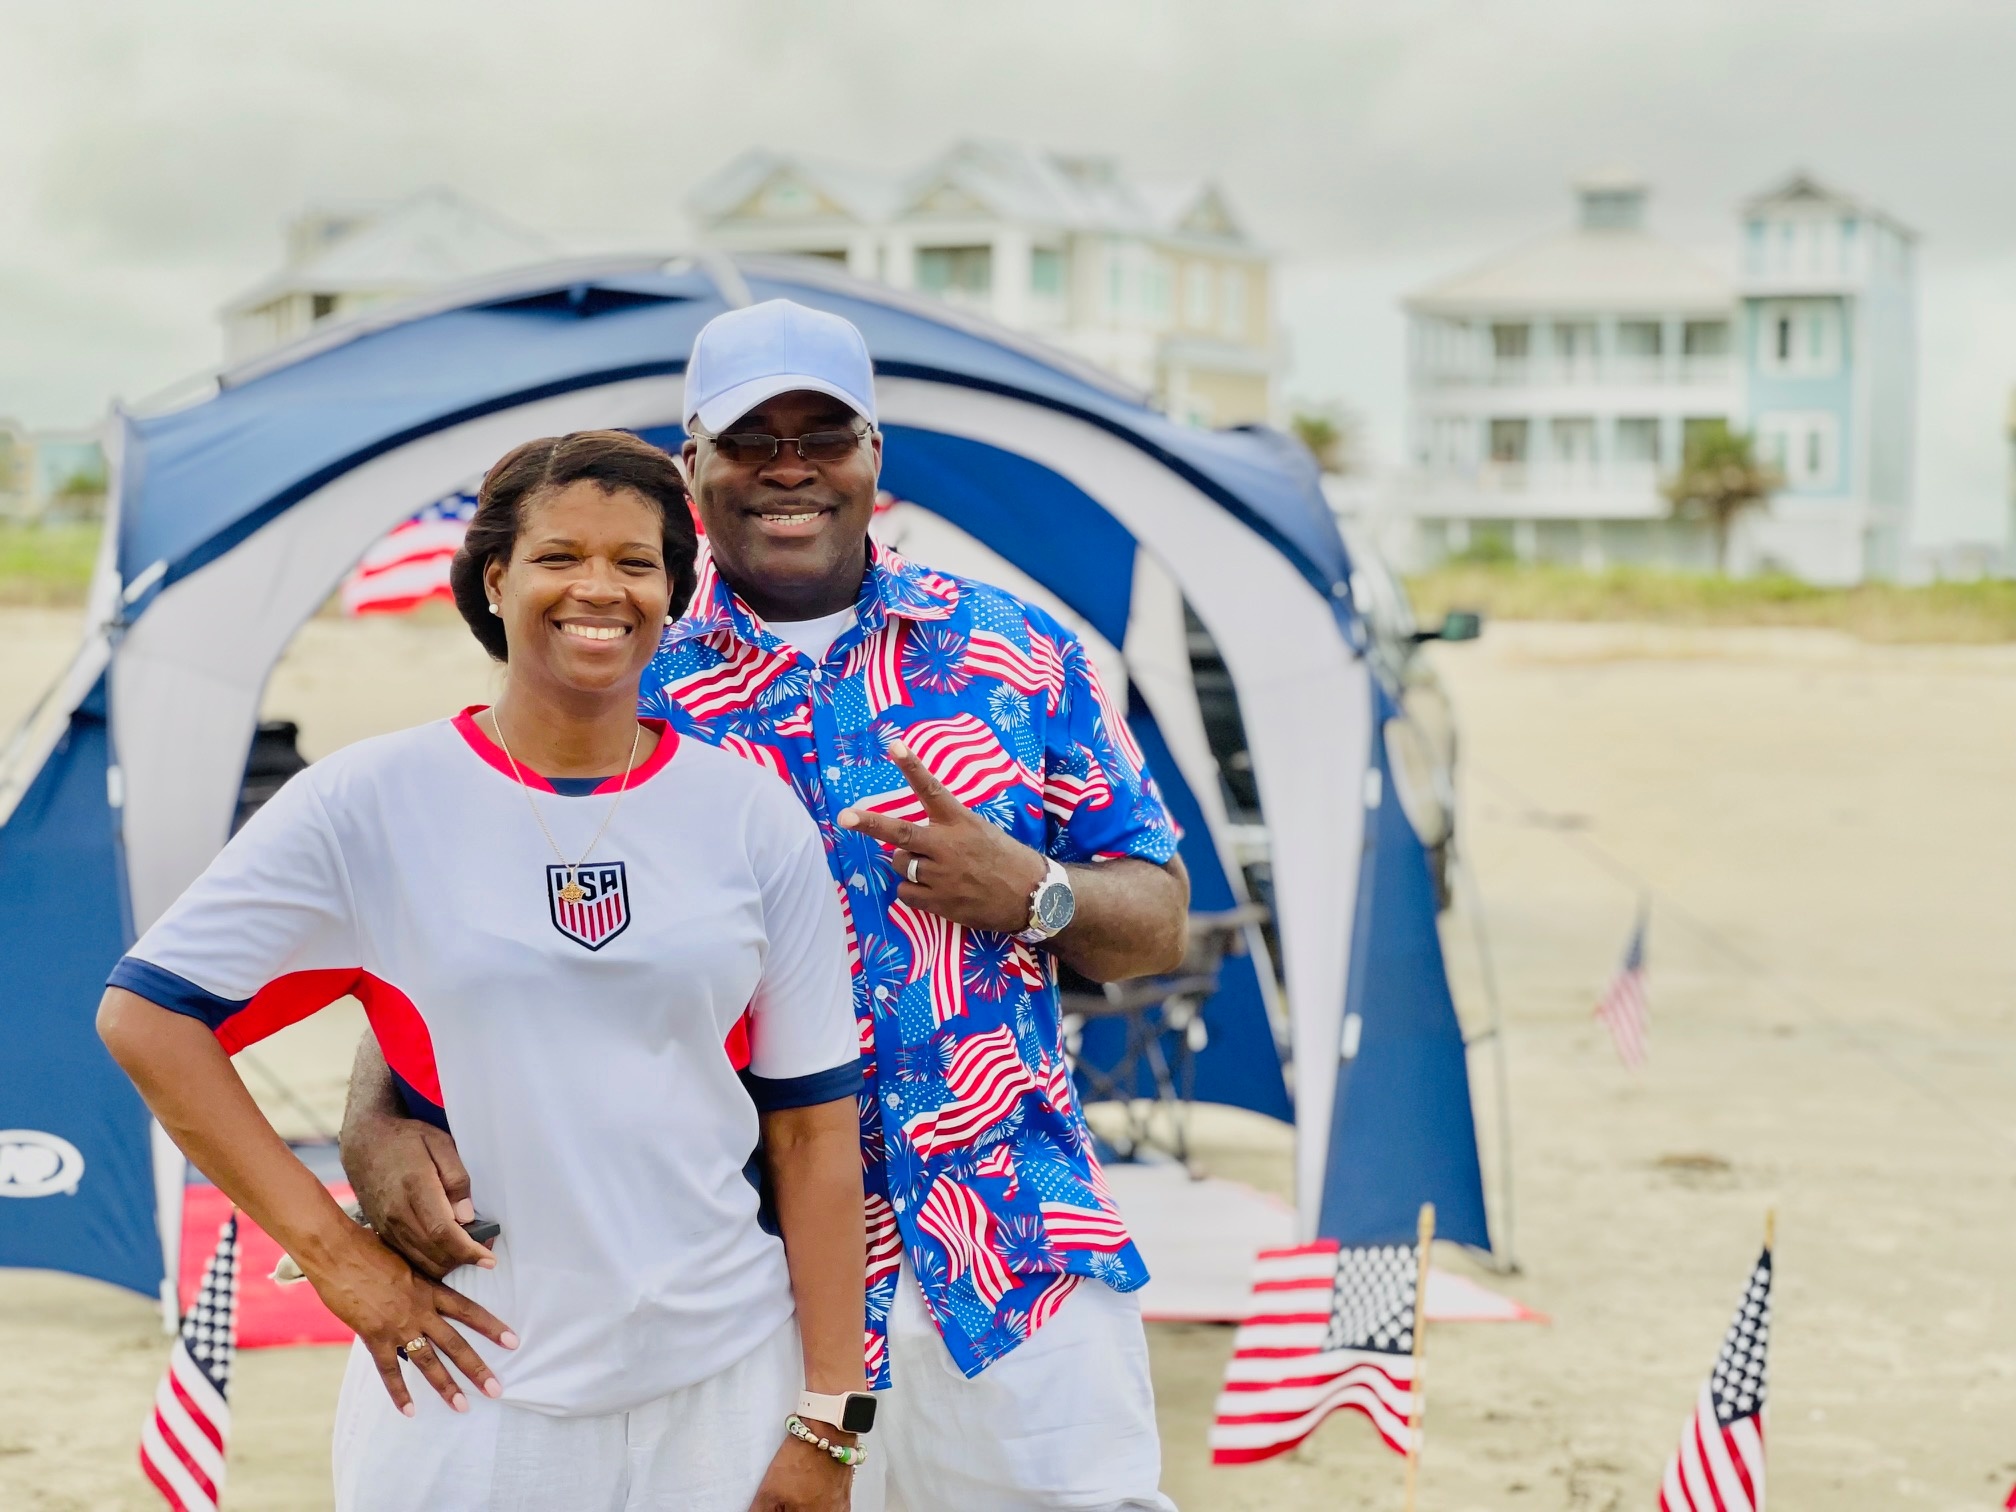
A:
x: 601, y: 1059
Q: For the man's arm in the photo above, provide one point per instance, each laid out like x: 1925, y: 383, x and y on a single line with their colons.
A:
x: 406, y: 1173
x: 1131, y: 918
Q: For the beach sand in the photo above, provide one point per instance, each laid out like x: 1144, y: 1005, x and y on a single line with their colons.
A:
x: 1823, y: 830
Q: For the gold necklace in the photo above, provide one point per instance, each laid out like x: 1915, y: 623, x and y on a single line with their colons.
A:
x: 573, y: 892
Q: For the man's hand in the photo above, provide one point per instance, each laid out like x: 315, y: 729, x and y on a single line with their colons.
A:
x: 805, y: 1478
x: 965, y: 869
x: 414, y: 1191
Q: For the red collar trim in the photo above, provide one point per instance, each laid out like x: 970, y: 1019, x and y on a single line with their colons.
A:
x: 493, y: 755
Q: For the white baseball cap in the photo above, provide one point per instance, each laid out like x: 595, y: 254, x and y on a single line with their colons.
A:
x: 743, y: 357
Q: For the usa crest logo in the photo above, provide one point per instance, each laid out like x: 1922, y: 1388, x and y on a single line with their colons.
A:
x: 602, y: 911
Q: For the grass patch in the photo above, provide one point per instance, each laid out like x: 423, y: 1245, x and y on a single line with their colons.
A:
x: 46, y: 564
x: 1967, y: 613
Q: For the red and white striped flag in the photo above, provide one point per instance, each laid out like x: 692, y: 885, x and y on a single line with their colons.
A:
x: 1622, y: 1008
x: 409, y: 566
x: 1328, y: 1328
x: 182, y: 1447
x: 1719, y: 1466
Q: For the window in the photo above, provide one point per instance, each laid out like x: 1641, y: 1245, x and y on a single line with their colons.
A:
x: 1574, y: 439
x: 1046, y: 272
x: 1510, y: 343
x: 1799, y: 338
x: 1638, y: 338
x: 1638, y: 440
x: 321, y: 306
x: 1116, y: 282
x: 1705, y: 338
x: 1197, y: 295
x: 1575, y: 348
x: 955, y: 270
x: 1508, y: 440
x: 1232, y: 311
x: 1155, y: 300
x: 1803, y: 445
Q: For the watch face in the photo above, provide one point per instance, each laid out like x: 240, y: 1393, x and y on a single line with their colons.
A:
x: 859, y: 1414
x: 1055, y: 905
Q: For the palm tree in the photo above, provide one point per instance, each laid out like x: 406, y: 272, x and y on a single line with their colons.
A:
x: 1719, y: 478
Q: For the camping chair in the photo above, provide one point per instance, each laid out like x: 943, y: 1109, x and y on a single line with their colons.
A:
x: 1163, y: 1019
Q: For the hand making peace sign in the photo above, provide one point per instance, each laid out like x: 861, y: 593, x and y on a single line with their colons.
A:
x: 955, y: 864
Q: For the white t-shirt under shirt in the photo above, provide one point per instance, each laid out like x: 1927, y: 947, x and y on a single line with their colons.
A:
x: 601, y: 1060
x: 813, y: 637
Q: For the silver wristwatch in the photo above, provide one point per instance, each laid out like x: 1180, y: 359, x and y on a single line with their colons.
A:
x: 1051, y: 906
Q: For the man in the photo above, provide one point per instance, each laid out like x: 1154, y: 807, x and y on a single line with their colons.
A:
x: 984, y: 809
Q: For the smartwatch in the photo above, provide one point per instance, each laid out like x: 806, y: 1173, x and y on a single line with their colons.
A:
x: 849, y: 1411
x: 1051, y: 906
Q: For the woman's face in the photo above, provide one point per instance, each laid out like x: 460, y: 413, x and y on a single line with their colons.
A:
x: 585, y: 594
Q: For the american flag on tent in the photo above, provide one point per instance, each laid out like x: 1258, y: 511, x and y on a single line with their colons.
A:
x: 1622, y: 1008
x: 410, y: 565
x: 1328, y: 1328
x: 182, y: 1446
x: 1719, y: 1466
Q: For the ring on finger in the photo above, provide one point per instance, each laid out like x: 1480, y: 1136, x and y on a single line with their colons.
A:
x: 405, y: 1350
x: 910, y: 871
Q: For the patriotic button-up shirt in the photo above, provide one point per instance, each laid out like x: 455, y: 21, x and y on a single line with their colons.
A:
x: 976, y: 1160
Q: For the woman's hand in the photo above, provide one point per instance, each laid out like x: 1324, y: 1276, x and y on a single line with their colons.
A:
x: 805, y: 1478
x: 389, y: 1305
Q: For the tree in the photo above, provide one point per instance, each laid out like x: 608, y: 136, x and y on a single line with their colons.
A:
x: 1719, y: 478
x: 1331, y: 434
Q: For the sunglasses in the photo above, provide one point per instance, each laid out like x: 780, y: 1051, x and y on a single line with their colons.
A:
x: 753, y: 448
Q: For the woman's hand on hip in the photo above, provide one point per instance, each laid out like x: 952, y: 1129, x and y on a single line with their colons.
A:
x: 804, y: 1478
x: 390, y: 1307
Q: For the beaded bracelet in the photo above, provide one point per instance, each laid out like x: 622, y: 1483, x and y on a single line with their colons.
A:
x: 847, y: 1454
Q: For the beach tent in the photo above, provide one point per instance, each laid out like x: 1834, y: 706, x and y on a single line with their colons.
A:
x: 238, y: 506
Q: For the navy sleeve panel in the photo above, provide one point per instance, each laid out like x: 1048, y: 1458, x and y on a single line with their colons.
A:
x: 176, y: 994
x: 773, y: 1094
x: 417, y: 1105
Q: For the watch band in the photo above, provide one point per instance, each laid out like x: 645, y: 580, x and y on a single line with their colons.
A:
x: 1054, y: 875
x: 852, y: 1411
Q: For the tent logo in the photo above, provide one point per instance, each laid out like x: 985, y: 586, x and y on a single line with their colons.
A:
x: 34, y: 1164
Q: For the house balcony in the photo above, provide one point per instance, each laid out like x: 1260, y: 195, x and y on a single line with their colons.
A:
x: 1533, y: 490
x: 1583, y: 372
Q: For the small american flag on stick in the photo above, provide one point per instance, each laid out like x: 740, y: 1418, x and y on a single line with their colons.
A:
x: 1328, y: 1328
x: 183, y: 1445
x: 1719, y: 1466
x: 1622, y: 1008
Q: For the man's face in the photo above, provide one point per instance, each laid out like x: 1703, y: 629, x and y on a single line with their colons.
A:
x: 789, y: 535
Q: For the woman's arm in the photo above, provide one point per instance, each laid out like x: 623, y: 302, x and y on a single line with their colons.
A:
x: 813, y: 1155
x: 193, y: 1089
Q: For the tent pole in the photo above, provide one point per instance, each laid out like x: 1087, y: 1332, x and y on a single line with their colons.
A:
x: 1507, y: 1261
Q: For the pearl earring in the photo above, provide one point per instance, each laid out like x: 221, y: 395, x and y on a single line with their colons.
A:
x: 495, y: 610
x: 671, y: 620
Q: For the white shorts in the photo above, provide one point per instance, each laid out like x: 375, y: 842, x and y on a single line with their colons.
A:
x: 703, y: 1448
x: 1067, y: 1420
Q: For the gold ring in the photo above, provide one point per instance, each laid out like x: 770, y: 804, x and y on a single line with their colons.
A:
x: 423, y: 1342
x: 910, y: 871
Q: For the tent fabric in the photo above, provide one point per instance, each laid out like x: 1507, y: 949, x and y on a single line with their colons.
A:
x: 239, y: 512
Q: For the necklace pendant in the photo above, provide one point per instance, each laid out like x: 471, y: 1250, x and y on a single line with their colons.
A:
x: 573, y: 892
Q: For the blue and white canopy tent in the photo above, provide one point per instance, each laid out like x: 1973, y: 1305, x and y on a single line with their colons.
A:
x: 237, y: 511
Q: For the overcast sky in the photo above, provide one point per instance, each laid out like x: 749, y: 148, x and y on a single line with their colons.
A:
x: 149, y: 153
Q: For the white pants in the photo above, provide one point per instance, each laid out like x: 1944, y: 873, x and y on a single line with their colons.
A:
x: 1067, y: 1420
x: 703, y: 1448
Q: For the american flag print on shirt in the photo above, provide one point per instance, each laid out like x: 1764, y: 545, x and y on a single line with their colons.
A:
x: 183, y: 1444
x: 408, y: 567
x: 1328, y: 1329
x: 1622, y: 1007
x: 1719, y: 1466
x: 978, y: 1165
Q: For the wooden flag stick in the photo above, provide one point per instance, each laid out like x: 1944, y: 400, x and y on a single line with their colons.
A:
x: 1770, y: 1227
x: 1427, y: 1238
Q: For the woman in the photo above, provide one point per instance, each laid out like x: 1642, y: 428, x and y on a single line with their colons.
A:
x: 612, y: 959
